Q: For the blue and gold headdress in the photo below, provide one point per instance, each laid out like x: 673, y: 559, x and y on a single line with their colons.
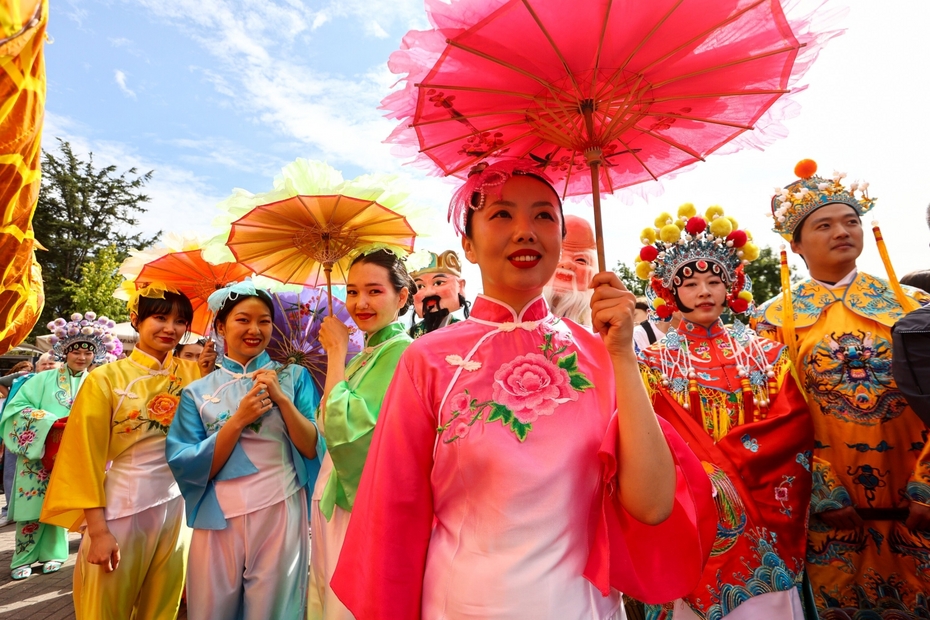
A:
x: 793, y: 203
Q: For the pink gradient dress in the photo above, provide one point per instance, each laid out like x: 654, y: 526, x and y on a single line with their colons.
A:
x: 490, y: 488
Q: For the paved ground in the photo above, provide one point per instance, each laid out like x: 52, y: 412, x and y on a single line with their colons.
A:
x: 40, y: 597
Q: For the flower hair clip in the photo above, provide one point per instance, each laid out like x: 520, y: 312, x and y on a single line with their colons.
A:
x: 483, y: 179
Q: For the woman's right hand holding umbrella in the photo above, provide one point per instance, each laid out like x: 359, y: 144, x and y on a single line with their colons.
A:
x: 334, y: 337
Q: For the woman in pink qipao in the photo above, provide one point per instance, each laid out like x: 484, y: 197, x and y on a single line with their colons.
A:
x: 501, y: 481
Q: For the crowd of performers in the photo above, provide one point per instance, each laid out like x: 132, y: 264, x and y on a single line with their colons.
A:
x: 529, y: 461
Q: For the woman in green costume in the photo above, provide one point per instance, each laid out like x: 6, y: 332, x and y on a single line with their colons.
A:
x: 28, y: 416
x: 379, y: 290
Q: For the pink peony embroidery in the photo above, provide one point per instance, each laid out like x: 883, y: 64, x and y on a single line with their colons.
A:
x: 459, y: 402
x: 26, y: 437
x: 30, y: 528
x: 460, y: 427
x: 531, y: 386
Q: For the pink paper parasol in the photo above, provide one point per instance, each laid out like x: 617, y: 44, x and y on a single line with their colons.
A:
x: 598, y: 94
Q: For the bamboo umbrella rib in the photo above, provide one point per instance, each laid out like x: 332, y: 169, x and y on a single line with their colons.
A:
x: 641, y: 162
x: 626, y: 104
x: 571, y: 169
x: 612, y: 86
x: 464, y: 136
x: 648, y: 36
x: 555, y: 48
x: 610, y: 182
x: 526, y: 152
x: 304, y: 206
x: 468, y: 163
x: 332, y: 212
x: 699, y: 119
x: 555, y: 131
x: 553, y: 90
x: 672, y: 144
x: 724, y: 65
x: 568, y: 109
x: 284, y: 256
x: 459, y: 117
x: 499, y: 61
x: 477, y: 89
x: 256, y: 228
x: 745, y: 93
x: 702, y: 34
x: 600, y: 45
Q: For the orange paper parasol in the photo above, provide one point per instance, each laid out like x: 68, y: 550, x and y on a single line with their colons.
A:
x: 308, y: 239
x: 190, y: 274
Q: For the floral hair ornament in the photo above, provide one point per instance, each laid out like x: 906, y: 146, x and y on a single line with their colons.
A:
x: 131, y: 291
x: 83, y: 332
x: 676, y: 247
x: 485, y: 178
x: 234, y: 291
x: 793, y: 203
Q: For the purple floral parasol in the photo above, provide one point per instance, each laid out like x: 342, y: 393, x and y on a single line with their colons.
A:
x: 297, y: 320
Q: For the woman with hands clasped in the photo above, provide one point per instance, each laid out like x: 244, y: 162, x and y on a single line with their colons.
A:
x: 378, y: 291
x: 245, y: 449
x: 518, y: 469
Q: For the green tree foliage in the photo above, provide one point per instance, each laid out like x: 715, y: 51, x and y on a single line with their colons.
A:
x: 765, y: 273
x: 81, y: 211
x: 99, y: 280
x: 630, y: 280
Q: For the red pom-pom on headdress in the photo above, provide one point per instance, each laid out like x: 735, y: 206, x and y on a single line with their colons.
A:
x: 806, y: 168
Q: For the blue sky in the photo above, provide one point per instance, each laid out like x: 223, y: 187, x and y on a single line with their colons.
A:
x: 219, y: 94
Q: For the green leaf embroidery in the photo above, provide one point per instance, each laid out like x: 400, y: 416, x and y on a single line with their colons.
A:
x: 579, y: 382
x: 569, y: 363
x: 500, y: 412
x: 520, y: 429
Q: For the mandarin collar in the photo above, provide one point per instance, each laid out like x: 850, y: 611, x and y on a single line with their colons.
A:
x: 845, y: 281
x: 385, y: 333
x: 495, y: 311
x: 144, y: 359
x: 687, y: 328
x: 259, y: 361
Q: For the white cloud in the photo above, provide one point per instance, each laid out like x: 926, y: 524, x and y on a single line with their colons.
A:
x: 179, y: 199
x: 258, y: 45
x: 120, y: 79
x: 843, y: 123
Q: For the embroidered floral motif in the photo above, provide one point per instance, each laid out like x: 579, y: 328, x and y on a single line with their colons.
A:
x: 223, y: 418
x: 456, y: 360
x: 160, y: 410
x: 27, y: 536
x: 36, y: 414
x: 781, y: 494
x: 25, y: 438
x: 525, y: 388
x: 749, y: 443
x: 804, y: 459
x: 217, y: 424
